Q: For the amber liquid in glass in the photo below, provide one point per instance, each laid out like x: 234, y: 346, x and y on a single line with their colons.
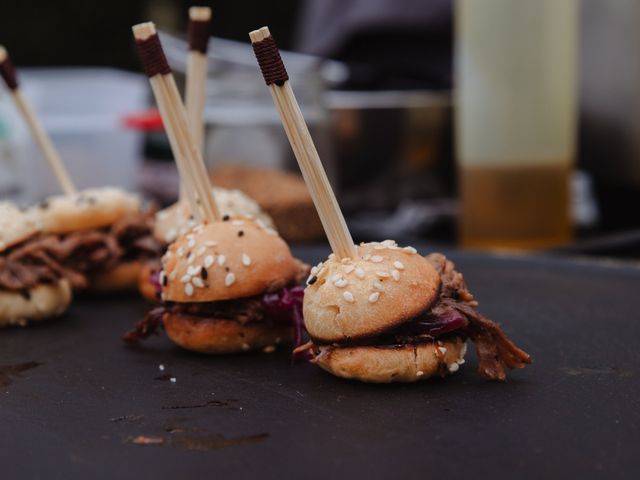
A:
x: 524, y: 207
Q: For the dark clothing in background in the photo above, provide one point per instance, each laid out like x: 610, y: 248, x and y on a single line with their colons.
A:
x: 388, y: 44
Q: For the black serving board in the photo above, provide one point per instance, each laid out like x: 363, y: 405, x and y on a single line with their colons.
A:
x: 73, y: 399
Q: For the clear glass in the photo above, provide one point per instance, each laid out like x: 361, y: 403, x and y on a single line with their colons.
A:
x: 516, y: 121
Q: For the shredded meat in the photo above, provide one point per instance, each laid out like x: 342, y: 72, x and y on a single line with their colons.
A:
x: 495, y: 351
x: 74, y: 256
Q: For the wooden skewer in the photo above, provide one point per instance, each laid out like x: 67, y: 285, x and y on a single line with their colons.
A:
x: 42, y: 139
x: 198, y: 33
x: 190, y: 165
x: 277, y: 80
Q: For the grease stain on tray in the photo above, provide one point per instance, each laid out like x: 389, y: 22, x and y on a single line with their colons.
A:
x: 9, y: 372
x: 197, y: 442
x: 581, y: 371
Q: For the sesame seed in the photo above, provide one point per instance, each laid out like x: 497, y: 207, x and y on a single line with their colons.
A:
x: 443, y: 350
x: 271, y: 231
x: 395, y: 274
x: 246, y: 260
x: 203, y: 273
x: 349, y: 268
x: 379, y: 247
x: 410, y: 250
x: 186, y: 279
x: 373, y: 298
x: 162, y: 278
x: 460, y: 361
x: 225, y: 218
x: 343, y: 282
x: 221, y: 260
x: 173, y: 379
x: 419, y: 373
x: 170, y: 235
x: 312, y: 279
x: 208, y: 261
x: 454, y: 367
x: 398, y: 264
x: 193, y: 270
x: 240, y: 233
x: 359, y: 272
x: 237, y: 222
x: 382, y: 273
x: 197, y: 281
x: 245, y: 346
x: 378, y: 285
x: 210, y: 243
x: 191, y: 258
x: 367, y: 256
x: 269, y: 349
x: 376, y: 259
x: 161, y: 367
x: 389, y: 243
x: 261, y: 224
x: 348, y: 296
x: 345, y: 261
x: 190, y: 237
x: 191, y: 243
x: 201, y: 251
x: 229, y: 279
x: 188, y: 289
x: 314, y: 270
x: 334, y: 278
x: 180, y: 251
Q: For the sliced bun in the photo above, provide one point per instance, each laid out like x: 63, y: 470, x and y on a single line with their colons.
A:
x: 241, y: 258
x: 43, y: 302
x: 91, y: 208
x: 176, y: 219
x: 146, y: 286
x: 121, y: 278
x: 384, y: 287
x: 219, y: 336
x: 15, y: 225
x: 379, y: 364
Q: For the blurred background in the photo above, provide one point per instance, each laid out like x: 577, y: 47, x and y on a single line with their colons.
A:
x: 486, y: 124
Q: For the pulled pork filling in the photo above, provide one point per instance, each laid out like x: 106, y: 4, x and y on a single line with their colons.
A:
x: 281, y: 308
x: 75, y: 256
x: 455, y: 313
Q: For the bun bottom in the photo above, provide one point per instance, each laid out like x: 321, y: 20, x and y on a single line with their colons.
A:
x: 220, y: 336
x: 121, y: 278
x: 44, y: 302
x: 406, y: 363
x: 146, y: 287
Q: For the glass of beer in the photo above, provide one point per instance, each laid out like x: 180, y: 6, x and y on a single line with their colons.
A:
x: 515, y: 121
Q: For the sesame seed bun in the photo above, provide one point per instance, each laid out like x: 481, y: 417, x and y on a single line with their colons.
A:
x: 176, y: 219
x: 15, y: 225
x: 221, y: 336
x: 41, y: 303
x: 381, y: 364
x: 382, y: 288
x: 240, y: 258
x: 121, y: 278
x: 91, y: 208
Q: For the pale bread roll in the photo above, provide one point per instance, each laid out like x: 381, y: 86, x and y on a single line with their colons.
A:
x: 43, y: 302
x: 221, y: 336
x: 241, y: 257
x: 176, y: 220
x: 383, y: 287
x: 385, y: 364
x: 89, y: 209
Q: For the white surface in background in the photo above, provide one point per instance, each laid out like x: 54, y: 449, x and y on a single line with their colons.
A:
x: 82, y: 110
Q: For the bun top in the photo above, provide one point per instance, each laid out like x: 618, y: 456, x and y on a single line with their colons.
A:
x: 15, y: 225
x: 236, y: 258
x: 384, y: 287
x: 88, y: 209
x: 176, y: 220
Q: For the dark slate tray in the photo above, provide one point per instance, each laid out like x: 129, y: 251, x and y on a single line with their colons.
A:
x: 574, y: 413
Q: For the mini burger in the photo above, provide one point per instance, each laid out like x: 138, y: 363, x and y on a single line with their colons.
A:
x: 33, y: 286
x: 228, y: 286
x: 392, y: 315
x: 177, y: 220
x: 102, y: 235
